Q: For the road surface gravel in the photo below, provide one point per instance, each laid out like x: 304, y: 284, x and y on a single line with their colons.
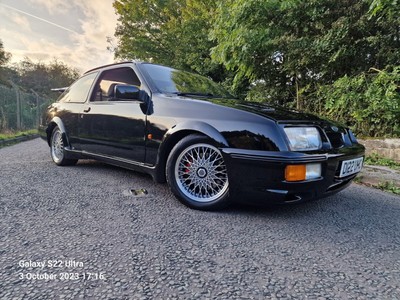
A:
x: 79, y: 233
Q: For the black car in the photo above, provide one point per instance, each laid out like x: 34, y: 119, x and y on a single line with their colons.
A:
x: 184, y: 129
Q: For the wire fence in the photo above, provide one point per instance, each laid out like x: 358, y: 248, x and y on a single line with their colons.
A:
x: 20, y: 110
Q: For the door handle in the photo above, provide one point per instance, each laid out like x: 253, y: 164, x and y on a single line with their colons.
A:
x: 86, y: 110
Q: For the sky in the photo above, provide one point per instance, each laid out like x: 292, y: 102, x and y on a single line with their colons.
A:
x: 72, y: 31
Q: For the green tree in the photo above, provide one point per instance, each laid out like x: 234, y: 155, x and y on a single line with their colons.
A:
x: 368, y: 102
x: 4, y: 59
x: 388, y: 8
x: 144, y: 29
x: 170, y: 32
x: 290, y: 47
x: 4, y: 56
x: 42, y: 77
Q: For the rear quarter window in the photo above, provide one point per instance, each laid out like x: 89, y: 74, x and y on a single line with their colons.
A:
x: 78, y: 92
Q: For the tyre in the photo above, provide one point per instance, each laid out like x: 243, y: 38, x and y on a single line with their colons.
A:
x: 57, y: 149
x: 197, y: 174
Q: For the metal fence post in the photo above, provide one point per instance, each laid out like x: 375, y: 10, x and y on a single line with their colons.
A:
x: 37, y: 108
x: 18, y: 103
x: 17, y: 95
x: 17, y: 108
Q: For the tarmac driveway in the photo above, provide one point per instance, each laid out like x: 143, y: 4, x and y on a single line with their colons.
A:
x: 77, y: 232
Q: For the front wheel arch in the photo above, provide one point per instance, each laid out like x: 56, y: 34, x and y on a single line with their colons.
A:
x: 176, y: 134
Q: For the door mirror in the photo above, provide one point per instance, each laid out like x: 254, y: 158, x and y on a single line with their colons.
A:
x: 126, y: 92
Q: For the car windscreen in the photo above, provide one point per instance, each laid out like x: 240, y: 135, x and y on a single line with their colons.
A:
x: 171, y: 81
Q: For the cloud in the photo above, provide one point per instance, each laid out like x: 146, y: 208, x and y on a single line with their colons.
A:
x: 99, y: 22
x: 55, y: 6
x: 39, y: 49
x: 21, y: 21
x: 99, y: 19
x: 84, y: 48
x: 35, y: 17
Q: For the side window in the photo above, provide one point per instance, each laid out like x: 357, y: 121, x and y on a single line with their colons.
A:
x: 79, y: 90
x: 104, y: 88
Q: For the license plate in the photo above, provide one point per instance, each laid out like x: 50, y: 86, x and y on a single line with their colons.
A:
x: 351, y: 166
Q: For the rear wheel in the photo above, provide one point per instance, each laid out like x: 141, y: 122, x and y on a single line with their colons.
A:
x: 57, y: 149
x: 197, y: 174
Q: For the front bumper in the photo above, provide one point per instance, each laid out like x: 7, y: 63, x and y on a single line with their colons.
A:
x: 258, y: 177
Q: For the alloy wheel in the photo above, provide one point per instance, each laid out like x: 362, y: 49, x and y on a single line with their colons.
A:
x: 200, y: 173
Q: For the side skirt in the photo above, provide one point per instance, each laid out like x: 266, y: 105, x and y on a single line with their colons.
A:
x: 115, y: 161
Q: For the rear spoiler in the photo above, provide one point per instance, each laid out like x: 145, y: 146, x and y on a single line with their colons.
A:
x: 60, y: 90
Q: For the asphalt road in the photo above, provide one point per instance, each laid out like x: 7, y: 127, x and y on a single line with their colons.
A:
x: 77, y: 233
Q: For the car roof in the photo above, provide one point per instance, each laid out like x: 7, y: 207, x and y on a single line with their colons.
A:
x: 114, y: 64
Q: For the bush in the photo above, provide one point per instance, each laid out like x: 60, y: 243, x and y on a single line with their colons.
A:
x: 369, y: 103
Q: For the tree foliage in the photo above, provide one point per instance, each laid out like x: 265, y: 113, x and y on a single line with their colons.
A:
x: 292, y: 45
x: 144, y: 29
x: 169, y: 32
x: 368, y: 102
x: 42, y: 77
x: 30, y: 79
x: 38, y: 76
x: 4, y: 59
x: 316, y: 55
x: 4, y: 56
x: 387, y: 8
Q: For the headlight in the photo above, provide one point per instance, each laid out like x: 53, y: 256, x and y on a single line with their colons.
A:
x: 303, y: 138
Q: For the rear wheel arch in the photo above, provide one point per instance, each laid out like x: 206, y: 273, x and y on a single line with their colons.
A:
x: 49, y: 131
x: 56, y: 122
x: 57, y: 148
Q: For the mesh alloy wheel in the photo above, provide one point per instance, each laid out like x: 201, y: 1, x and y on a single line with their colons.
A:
x: 200, y: 173
x: 57, y: 146
x: 57, y: 149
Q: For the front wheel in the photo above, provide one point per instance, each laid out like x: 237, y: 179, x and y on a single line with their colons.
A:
x: 57, y: 150
x: 197, y: 174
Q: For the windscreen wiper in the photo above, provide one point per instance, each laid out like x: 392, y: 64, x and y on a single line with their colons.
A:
x: 194, y: 94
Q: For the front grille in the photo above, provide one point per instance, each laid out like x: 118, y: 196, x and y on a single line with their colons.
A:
x: 336, y: 139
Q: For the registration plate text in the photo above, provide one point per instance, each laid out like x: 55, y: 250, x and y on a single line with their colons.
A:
x: 351, y: 166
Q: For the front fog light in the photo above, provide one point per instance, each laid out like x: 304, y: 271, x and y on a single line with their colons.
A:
x: 313, y: 171
x: 302, y: 172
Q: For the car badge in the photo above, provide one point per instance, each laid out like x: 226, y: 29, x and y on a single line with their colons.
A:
x: 334, y: 128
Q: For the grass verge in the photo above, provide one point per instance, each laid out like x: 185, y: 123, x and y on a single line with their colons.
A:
x: 389, y: 186
x: 377, y: 160
x: 14, y: 134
